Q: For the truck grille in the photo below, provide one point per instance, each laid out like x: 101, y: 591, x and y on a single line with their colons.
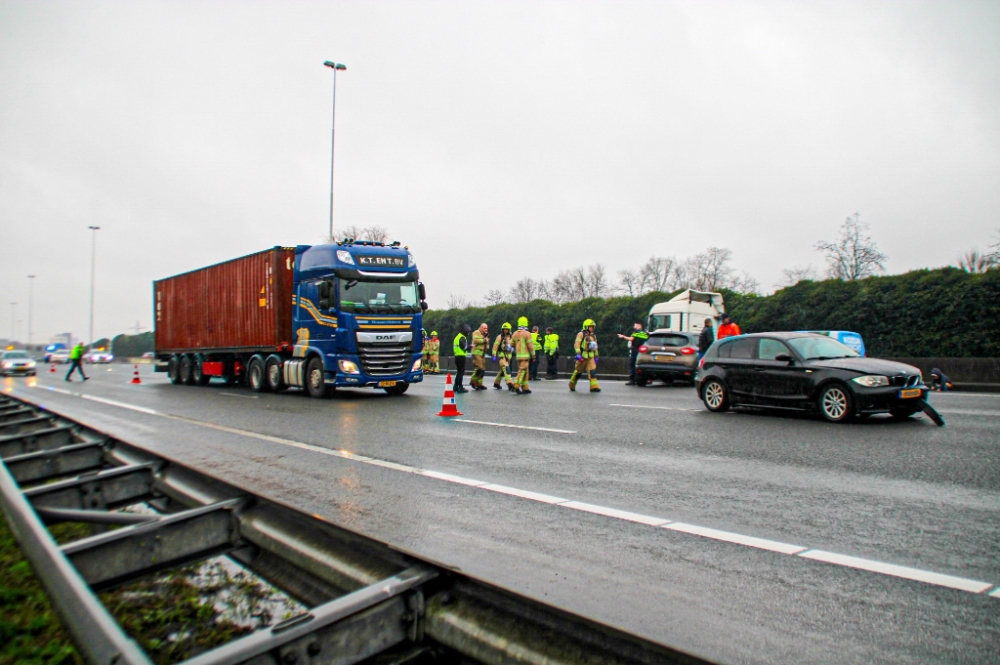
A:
x: 387, y: 359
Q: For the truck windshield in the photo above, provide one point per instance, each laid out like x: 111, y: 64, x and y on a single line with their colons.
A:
x: 379, y: 297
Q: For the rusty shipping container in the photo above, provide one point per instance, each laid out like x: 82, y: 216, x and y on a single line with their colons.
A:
x: 240, y: 305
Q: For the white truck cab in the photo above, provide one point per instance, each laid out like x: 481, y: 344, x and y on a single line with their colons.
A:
x: 686, y: 312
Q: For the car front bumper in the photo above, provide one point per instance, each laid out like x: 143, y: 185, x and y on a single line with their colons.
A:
x: 883, y: 400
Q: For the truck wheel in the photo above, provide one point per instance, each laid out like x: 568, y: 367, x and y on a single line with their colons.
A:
x: 256, y: 377
x: 316, y: 378
x: 185, y: 370
x: 397, y: 389
x: 272, y: 370
x: 174, y: 369
x: 198, y: 376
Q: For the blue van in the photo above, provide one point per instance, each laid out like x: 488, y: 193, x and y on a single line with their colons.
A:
x: 845, y: 337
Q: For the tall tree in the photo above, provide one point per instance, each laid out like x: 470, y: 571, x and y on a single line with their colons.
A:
x: 855, y: 255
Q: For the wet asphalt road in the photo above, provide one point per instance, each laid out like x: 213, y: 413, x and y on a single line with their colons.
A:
x: 904, y: 493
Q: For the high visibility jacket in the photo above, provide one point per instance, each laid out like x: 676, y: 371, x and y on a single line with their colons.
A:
x: 76, y: 353
x: 582, y: 345
x: 499, y: 344
x: 479, y: 343
x: 728, y: 330
x: 551, y: 344
x: 639, y: 338
x: 536, y: 339
x: 458, y: 344
x: 433, y: 346
x: 523, y: 345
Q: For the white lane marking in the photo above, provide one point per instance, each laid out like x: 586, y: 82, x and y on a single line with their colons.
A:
x: 960, y: 583
x: 737, y: 538
x: 61, y: 391
x: 970, y: 412
x: 614, y: 512
x: 843, y: 560
x: 538, y: 429
x: 662, y: 408
x: 243, y: 396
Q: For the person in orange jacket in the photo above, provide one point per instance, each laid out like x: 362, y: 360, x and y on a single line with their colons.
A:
x: 728, y: 328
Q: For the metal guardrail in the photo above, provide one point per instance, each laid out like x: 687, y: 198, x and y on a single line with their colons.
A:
x: 366, y: 600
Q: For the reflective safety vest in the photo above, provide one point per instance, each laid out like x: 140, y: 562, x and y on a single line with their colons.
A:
x: 433, y: 346
x: 536, y: 339
x: 479, y: 343
x: 551, y: 344
x: 582, y: 344
x: 639, y: 338
x: 457, y: 346
x: 523, y: 345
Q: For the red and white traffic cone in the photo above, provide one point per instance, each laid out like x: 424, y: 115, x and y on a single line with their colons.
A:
x: 135, y: 375
x: 448, y: 408
x: 52, y: 368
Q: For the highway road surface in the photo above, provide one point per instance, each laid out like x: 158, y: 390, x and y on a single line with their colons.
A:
x: 740, y: 537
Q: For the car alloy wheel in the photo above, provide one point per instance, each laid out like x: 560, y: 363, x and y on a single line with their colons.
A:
x: 714, y: 396
x: 835, y: 404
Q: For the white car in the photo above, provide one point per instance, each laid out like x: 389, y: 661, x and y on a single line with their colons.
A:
x: 95, y: 357
x: 16, y: 363
x: 59, y: 357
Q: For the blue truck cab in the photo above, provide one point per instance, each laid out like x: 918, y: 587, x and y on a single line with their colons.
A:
x: 359, y: 306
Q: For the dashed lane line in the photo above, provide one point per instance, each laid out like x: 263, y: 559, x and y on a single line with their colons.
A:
x: 831, y: 558
x: 537, y: 429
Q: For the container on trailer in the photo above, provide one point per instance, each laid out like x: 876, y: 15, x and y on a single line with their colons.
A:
x: 240, y: 305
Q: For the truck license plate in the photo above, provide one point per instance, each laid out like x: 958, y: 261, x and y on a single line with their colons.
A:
x: 906, y: 394
x: 390, y: 384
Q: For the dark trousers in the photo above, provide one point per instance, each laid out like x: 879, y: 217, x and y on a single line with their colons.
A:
x: 533, y: 366
x: 459, y: 369
x: 77, y: 365
x: 631, y: 365
x: 552, y: 368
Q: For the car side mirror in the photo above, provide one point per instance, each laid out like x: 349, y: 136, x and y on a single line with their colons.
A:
x: 784, y: 357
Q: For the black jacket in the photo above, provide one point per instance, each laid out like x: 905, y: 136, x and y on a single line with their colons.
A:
x: 705, y: 339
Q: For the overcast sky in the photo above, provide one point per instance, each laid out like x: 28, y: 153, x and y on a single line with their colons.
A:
x: 497, y: 139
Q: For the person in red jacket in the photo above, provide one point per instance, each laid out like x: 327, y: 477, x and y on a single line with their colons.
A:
x: 728, y: 328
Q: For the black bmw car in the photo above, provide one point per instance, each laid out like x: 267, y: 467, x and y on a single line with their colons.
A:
x: 804, y: 371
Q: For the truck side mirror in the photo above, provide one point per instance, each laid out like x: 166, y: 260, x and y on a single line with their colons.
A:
x: 422, y: 290
x: 423, y: 305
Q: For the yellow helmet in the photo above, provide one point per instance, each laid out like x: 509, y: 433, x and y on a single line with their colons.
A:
x: 505, y: 326
x: 588, y: 323
x: 522, y: 322
x: 434, y: 333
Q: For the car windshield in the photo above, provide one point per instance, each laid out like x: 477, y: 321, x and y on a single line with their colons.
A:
x: 15, y: 354
x: 379, y: 297
x: 821, y: 348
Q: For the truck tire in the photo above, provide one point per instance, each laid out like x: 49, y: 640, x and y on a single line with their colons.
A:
x: 174, y: 369
x: 198, y: 376
x: 273, y: 376
x: 185, y: 370
x: 256, y: 376
x: 397, y: 389
x: 316, y: 378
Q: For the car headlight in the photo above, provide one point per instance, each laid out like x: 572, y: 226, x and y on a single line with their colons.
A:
x: 871, y: 381
x: 345, y: 256
x: 31, y: 363
x: 8, y: 365
x: 416, y: 365
x: 349, y: 367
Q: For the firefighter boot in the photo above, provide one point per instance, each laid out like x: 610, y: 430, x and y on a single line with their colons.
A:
x: 572, y: 380
x: 594, y: 387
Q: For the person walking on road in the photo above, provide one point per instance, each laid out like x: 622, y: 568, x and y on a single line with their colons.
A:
x: 551, y: 348
x: 433, y: 354
x: 705, y: 339
x: 586, y: 356
x: 524, y: 347
x: 728, y: 328
x: 635, y: 340
x: 480, y: 342
x: 76, y: 360
x: 536, y: 357
x: 460, y: 347
x: 503, y: 349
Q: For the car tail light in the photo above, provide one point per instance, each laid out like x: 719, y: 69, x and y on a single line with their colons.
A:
x: 687, y: 351
x: 643, y: 349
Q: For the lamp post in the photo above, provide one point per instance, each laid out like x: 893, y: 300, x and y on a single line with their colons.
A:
x: 31, y: 302
x: 335, y: 66
x: 13, y: 320
x: 93, y: 259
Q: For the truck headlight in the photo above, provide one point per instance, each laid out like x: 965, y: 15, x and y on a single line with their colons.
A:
x: 416, y: 365
x: 409, y: 260
x: 349, y: 367
x: 871, y: 381
x: 345, y: 256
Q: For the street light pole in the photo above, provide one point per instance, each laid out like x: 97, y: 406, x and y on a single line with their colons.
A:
x: 13, y: 320
x: 93, y: 260
x: 31, y: 302
x: 335, y: 66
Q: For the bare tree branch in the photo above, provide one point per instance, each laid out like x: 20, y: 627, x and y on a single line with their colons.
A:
x: 792, y: 276
x: 975, y: 262
x: 855, y: 255
x: 526, y: 290
x: 496, y: 297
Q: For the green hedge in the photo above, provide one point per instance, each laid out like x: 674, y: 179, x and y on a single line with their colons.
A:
x: 132, y: 346
x: 924, y: 313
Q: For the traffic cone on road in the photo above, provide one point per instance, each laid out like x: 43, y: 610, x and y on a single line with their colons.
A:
x: 448, y: 408
x: 52, y: 368
x: 135, y: 375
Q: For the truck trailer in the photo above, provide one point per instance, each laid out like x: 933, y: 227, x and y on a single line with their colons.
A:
x: 314, y: 317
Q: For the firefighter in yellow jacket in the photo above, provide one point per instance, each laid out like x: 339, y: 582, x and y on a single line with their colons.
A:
x: 586, y: 356
x: 480, y: 343
x: 433, y: 354
x: 524, y: 347
x: 503, y: 349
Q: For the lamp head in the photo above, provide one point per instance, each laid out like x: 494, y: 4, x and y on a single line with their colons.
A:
x: 335, y: 65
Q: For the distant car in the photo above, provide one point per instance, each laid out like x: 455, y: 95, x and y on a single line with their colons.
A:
x: 149, y: 354
x: 59, y: 357
x: 98, y: 357
x: 667, y: 356
x: 16, y: 363
x: 804, y: 371
x: 851, y: 339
